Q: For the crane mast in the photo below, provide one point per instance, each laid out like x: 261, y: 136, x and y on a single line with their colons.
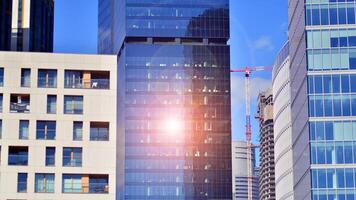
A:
x: 247, y: 71
x: 248, y: 135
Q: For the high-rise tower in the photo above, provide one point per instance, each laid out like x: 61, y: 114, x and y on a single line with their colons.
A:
x: 267, y: 172
x: 26, y: 25
x: 174, y: 96
x: 323, y: 98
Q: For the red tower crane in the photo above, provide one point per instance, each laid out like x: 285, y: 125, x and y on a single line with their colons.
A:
x: 247, y: 71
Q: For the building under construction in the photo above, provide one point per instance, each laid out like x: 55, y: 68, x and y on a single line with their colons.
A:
x: 267, y: 173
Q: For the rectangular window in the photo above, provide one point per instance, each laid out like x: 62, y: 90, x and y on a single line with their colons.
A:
x: 353, y: 82
x: 72, y: 184
x: 327, y: 84
x: 336, y: 83
x: 0, y: 128
x: 333, y: 16
x: 324, y: 16
x: 50, y: 156
x: 316, y: 17
x: 99, y: 131
x: 22, y: 182
x: 83, y: 183
x: 25, y: 77
x: 44, y: 183
x: 346, y: 108
x: 73, y: 105
x: 20, y: 103
x: 1, y: 77
x: 353, y: 105
x: 46, y: 130
x: 24, y: 129
x: 72, y: 156
x: 342, y: 15
x: 18, y: 156
x: 1, y: 98
x: 351, y: 15
x: 77, y: 131
x: 51, y: 104
x: 47, y: 78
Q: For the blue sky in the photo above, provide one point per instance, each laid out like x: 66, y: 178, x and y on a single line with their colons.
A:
x: 258, y: 31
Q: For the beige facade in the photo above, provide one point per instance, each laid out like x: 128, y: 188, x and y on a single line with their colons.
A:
x: 77, y: 174
x: 283, y: 127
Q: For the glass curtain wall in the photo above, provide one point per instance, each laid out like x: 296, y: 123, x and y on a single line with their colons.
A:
x: 331, y: 53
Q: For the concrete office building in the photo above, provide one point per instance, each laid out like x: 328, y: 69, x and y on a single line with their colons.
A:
x: 57, y: 126
x: 265, y: 117
x: 26, y: 25
x: 282, y: 126
x: 322, y: 38
x: 239, y: 172
x: 174, y: 88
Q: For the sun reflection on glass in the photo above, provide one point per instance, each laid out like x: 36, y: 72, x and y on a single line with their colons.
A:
x: 173, y: 125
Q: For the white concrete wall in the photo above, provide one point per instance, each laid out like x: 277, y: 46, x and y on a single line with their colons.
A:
x: 99, y: 105
x: 283, y: 132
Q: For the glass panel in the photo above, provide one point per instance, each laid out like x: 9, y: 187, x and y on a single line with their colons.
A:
x: 50, y: 156
x: 44, y: 183
x: 72, y: 157
x: 338, y: 131
x: 25, y: 77
x: 46, y: 130
x: 23, y: 129
x: 22, y: 182
x: 77, y: 131
x: 47, y: 78
x: 73, y: 104
x: 51, y: 104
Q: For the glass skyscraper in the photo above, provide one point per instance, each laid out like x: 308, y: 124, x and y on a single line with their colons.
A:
x: 26, y: 25
x: 323, y: 96
x: 174, y: 133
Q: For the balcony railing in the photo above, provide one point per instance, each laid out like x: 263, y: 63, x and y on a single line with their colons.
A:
x: 15, y: 159
x: 93, y: 188
x: 20, y: 107
x: 87, y: 84
x: 99, y: 134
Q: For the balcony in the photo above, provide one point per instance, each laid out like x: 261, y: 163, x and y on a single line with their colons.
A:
x: 20, y: 103
x: 87, y: 79
x: 86, y: 184
x: 18, y: 156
